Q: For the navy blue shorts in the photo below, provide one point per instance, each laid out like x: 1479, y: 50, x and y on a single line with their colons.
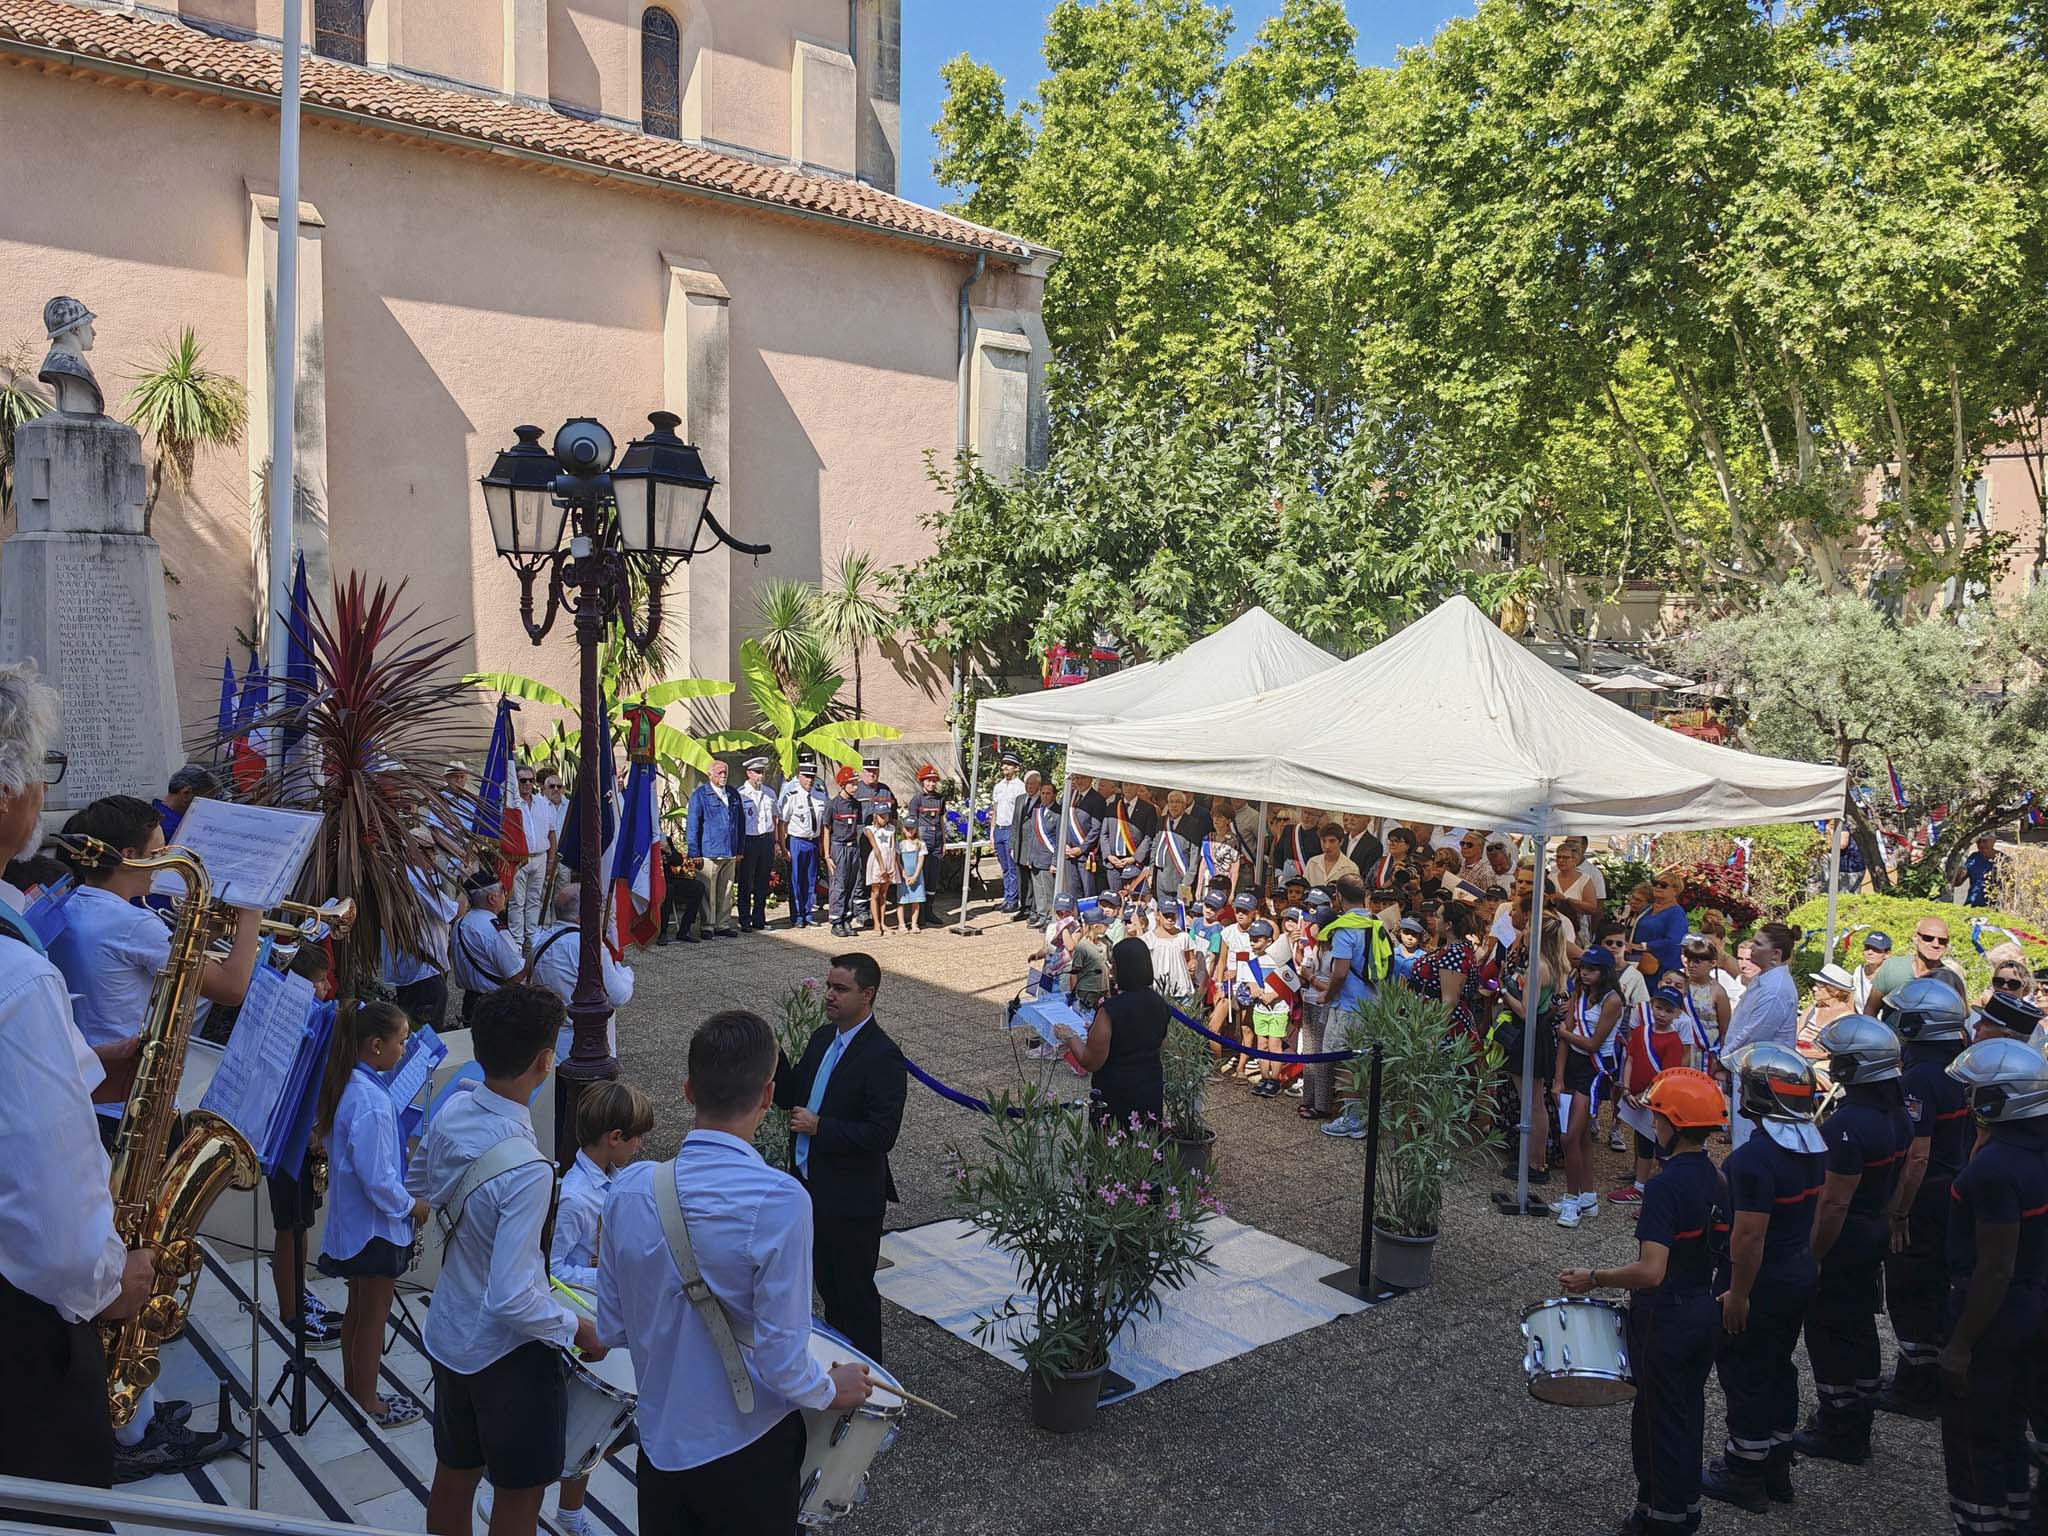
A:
x: 508, y: 1418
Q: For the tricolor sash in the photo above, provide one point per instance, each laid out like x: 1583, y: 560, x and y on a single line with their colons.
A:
x: 1040, y: 826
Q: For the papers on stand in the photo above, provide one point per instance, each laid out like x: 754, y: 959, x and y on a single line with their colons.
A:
x: 423, y: 1053
x: 253, y: 853
x: 269, y: 1075
x: 1046, y: 1014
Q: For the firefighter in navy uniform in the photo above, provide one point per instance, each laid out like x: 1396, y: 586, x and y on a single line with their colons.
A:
x: 1766, y: 1280
x: 1867, y: 1136
x: 1672, y: 1320
x: 927, y: 813
x: 1933, y: 1025
x: 843, y: 817
x: 1998, y: 1288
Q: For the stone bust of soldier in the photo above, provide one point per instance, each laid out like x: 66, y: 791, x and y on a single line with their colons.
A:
x: 65, y: 370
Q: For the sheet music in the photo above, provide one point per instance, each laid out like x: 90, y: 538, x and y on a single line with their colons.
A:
x: 252, y: 852
x: 423, y: 1052
x: 262, y: 1054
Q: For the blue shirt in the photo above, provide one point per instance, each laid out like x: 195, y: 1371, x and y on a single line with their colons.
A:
x: 1679, y: 1211
x: 716, y: 823
x: 1355, y: 945
x: 366, y: 1195
x: 1980, y: 870
x: 750, y: 1228
x: 110, y: 952
x: 1662, y: 934
x: 168, y: 817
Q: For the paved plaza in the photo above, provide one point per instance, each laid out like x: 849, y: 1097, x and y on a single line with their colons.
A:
x: 1412, y: 1417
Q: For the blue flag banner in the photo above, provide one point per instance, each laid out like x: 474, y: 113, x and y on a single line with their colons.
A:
x: 600, y: 763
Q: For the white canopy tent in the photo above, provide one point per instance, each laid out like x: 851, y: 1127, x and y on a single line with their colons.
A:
x: 1251, y: 654
x: 1452, y: 722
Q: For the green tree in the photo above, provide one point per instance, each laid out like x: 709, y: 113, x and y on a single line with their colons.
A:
x: 182, y: 406
x: 852, y: 611
x: 792, y: 726
x: 1961, y: 711
x: 790, y: 637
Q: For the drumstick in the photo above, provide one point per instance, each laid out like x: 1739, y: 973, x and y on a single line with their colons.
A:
x: 908, y: 1397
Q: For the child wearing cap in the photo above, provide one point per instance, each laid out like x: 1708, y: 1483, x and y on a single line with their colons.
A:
x: 1233, y: 947
x: 1408, y: 944
x: 1112, y: 909
x: 1088, y: 971
x: 1659, y: 1038
x: 1265, y: 1005
x: 912, y: 859
x: 1177, y: 968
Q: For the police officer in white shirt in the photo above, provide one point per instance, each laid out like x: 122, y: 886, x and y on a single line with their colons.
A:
x: 482, y: 956
x: 496, y: 1332
x: 757, y: 845
x: 61, y: 1263
x: 706, y: 1464
x: 800, y: 812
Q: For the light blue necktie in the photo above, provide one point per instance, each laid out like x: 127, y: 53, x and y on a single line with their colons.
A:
x: 803, y: 1143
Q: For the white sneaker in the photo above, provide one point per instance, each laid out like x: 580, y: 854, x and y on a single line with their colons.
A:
x: 1589, y: 1205
x: 1616, y: 1141
x: 483, y: 1503
x: 573, y: 1522
x: 1568, y: 1211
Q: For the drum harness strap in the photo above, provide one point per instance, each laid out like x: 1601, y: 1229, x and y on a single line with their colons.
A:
x: 669, y: 1203
x: 503, y: 1157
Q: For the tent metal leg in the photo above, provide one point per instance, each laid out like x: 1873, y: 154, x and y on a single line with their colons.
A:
x: 1521, y: 1204
x: 1835, y: 830
x: 1259, y: 858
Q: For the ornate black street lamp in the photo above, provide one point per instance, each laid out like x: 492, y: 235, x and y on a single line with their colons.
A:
x: 645, y: 517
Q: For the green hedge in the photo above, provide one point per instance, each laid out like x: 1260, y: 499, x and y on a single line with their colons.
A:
x: 1897, y: 915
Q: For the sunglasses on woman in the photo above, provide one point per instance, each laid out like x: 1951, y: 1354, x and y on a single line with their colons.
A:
x: 2010, y: 983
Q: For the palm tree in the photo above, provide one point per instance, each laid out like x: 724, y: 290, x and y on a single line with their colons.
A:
x: 19, y: 402
x: 790, y: 636
x: 852, y: 610
x: 792, y: 726
x: 184, y: 406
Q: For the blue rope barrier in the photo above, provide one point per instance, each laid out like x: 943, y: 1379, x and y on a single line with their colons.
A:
x: 951, y: 1095
x: 1310, y: 1057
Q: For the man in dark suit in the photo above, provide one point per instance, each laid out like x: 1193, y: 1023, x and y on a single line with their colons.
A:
x: 846, y: 1107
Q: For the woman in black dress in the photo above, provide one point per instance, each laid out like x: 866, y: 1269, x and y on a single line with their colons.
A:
x: 1122, y: 1044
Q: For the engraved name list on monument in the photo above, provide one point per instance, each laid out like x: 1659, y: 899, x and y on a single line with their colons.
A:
x: 98, y: 632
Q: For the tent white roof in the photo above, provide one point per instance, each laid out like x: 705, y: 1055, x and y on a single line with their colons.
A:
x: 1250, y: 654
x: 1452, y: 722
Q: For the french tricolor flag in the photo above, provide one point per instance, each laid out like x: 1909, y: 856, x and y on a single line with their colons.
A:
x: 1281, y: 978
x: 1898, y: 789
x: 637, y: 884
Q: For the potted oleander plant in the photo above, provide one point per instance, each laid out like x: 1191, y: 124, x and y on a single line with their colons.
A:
x: 1432, y: 1113
x: 1186, y: 1064
x: 1102, y: 1222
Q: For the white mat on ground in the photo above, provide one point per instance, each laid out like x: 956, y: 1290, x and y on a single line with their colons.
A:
x: 1262, y: 1289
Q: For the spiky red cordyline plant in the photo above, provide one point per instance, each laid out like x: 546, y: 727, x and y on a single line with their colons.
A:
x: 385, y: 713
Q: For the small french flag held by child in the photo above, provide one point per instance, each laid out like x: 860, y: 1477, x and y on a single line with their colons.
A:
x: 1281, y: 978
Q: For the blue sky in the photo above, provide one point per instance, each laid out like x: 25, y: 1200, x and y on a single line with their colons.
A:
x: 1006, y: 34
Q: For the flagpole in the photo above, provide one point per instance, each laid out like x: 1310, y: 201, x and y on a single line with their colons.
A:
x: 967, y: 859
x: 1835, y: 830
x: 284, y: 354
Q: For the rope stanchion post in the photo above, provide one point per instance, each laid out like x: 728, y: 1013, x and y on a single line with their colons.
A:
x: 1360, y: 1283
x: 960, y: 928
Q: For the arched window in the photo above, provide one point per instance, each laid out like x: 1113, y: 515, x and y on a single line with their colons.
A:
x: 338, y: 30
x: 661, y: 75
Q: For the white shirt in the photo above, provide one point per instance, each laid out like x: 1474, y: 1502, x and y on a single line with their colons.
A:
x: 110, y: 953
x: 1236, y: 941
x: 57, y: 1237
x: 479, y: 945
x: 757, y: 808
x: 493, y: 1295
x: 366, y: 1194
x: 579, y: 1215
x: 750, y: 1227
x: 1859, y: 988
x: 1769, y: 1010
x: 1171, y: 970
x: 556, y: 971
x: 543, y: 821
x: 1003, y: 803
x: 802, y: 811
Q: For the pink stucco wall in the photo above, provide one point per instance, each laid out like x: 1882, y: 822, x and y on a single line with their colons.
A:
x: 463, y: 296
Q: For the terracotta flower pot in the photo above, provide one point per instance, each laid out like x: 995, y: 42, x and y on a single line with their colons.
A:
x: 1066, y: 1404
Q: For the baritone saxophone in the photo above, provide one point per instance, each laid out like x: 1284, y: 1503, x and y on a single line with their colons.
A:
x: 161, y: 1191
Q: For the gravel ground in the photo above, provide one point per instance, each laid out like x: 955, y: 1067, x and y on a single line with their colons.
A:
x: 1411, y: 1417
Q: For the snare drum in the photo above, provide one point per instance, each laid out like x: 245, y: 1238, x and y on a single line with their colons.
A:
x: 1578, y: 1352
x: 602, y: 1399
x: 839, y: 1446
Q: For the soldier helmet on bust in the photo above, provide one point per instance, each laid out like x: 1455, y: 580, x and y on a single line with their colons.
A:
x: 62, y: 313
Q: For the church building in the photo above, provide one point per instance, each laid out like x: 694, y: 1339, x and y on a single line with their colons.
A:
x: 518, y: 211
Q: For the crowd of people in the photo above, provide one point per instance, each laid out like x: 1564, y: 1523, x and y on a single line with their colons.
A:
x: 722, y: 1435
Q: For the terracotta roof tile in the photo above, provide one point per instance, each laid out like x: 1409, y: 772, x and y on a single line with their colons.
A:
x: 328, y: 87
